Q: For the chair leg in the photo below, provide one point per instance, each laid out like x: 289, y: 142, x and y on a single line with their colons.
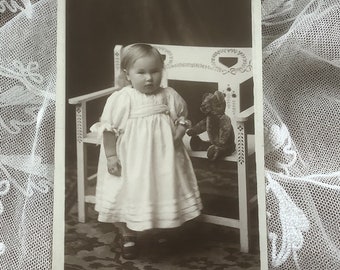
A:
x: 81, y: 177
x: 243, y: 188
x: 243, y: 207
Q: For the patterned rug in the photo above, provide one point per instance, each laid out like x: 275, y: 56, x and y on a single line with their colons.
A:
x: 195, y: 245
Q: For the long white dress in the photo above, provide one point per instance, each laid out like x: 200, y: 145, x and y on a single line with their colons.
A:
x: 157, y: 187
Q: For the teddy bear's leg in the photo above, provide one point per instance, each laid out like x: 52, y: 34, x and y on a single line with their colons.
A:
x: 197, y: 144
x: 231, y: 149
x: 213, y: 152
x: 224, y: 152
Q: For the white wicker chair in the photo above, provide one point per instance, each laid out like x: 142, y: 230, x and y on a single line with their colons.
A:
x: 198, y: 64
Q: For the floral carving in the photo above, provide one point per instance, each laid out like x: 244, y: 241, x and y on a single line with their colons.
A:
x: 243, y: 65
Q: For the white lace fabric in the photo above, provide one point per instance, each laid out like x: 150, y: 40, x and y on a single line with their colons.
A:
x: 301, y: 78
x: 27, y: 119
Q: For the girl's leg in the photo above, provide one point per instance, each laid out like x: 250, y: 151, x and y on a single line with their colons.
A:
x: 128, y: 241
x: 124, y: 230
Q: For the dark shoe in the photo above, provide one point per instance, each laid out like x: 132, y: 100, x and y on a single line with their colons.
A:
x: 163, y: 244
x: 129, y: 247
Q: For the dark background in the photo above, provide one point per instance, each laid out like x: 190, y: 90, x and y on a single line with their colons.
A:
x: 95, y: 26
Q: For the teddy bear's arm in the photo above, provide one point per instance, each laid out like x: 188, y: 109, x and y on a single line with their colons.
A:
x: 199, y: 128
x: 226, y: 130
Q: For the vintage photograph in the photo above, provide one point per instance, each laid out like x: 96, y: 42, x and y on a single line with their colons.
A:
x: 160, y: 137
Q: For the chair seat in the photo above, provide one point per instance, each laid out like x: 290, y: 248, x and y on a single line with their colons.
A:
x: 232, y: 158
x: 92, y: 138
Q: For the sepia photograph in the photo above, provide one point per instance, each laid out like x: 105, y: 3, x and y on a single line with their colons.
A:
x: 173, y: 134
x: 160, y: 137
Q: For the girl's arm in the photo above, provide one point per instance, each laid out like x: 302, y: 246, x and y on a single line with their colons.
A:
x: 113, y: 164
x: 179, y: 133
x: 181, y: 127
x: 109, y: 141
x: 180, y: 113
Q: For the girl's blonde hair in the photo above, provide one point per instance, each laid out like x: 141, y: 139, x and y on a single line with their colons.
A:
x: 130, y: 54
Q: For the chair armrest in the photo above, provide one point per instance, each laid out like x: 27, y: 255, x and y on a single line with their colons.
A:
x: 92, y: 96
x: 244, y: 115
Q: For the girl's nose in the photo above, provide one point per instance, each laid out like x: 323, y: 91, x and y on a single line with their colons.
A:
x: 148, y: 76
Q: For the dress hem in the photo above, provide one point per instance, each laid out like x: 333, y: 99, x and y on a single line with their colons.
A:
x: 147, y: 225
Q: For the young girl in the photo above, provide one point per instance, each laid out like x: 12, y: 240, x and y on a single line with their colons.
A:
x: 145, y: 177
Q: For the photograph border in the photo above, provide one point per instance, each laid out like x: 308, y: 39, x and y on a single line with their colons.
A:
x: 58, y: 249
x: 59, y: 177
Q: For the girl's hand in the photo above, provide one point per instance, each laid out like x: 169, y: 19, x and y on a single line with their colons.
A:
x: 113, y: 165
x: 179, y: 133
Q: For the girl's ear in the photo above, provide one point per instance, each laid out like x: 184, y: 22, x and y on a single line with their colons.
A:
x: 126, y: 74
x: 122, y: 79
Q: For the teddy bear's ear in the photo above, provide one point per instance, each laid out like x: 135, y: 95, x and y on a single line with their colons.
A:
x: 218, y: 91
x: 220, y: 96
x: 224, y: 94
x: 204, y: 96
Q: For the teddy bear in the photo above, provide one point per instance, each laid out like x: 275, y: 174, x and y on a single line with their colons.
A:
x: 218, y: 126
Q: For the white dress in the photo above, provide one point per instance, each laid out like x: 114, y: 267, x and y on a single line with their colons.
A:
x: 157, y: 187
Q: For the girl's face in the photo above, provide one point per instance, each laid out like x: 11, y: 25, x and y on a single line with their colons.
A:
x: 145, y: 74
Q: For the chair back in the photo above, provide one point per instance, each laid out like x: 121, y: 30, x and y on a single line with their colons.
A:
x: 229, y: 70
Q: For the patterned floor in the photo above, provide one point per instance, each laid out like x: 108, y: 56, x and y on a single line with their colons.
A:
x: 196, y: 245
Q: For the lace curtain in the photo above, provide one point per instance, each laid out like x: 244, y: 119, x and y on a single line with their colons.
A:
x: 301, y: 117
x: 27, y: 115
x: 301, y: 79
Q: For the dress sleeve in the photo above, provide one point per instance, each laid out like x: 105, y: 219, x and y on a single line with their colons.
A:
x: 177, y: 105
x: 115, y: 114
